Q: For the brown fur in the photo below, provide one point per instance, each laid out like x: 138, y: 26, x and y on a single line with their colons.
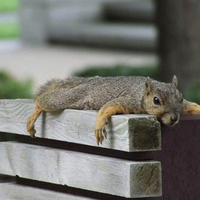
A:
x: 31, y: 120
x: 190, y: 109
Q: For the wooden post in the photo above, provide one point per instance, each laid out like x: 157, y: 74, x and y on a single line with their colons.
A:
x: 179, y: 42
x: 180, y: 160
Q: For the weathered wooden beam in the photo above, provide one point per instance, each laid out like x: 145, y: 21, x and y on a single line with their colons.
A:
x: 11, y: 191
x: 132, y: 37
x: 125, y: 132
x: 130, y: 11
x: 81, y: 170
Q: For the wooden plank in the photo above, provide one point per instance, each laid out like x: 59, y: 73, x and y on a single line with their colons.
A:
x: 42, y: 13
x: 130, y: 11
x: 86, y: 171
x: 12, y: 191
x: 125, y: 132
x: 133, y: 37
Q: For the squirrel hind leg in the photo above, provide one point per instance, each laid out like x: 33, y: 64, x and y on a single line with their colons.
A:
x: 49, y: 101
x: 31, y: 120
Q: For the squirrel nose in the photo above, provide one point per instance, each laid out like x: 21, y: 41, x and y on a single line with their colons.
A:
x: 174, y: 118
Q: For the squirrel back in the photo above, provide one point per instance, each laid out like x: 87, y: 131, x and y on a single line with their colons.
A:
x: 98, y: 90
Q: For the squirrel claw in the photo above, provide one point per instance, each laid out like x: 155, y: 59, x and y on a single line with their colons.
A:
x: 100, y: 134
x: 105, y: 133
x: 30, y: 128
x: 32, y: 133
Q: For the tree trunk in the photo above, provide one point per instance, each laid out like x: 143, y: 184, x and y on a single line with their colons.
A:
x: 179, y: 40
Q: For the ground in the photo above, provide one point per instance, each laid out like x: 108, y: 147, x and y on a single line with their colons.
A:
x: 45, y: 62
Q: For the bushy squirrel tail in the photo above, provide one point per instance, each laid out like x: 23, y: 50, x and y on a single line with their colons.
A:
x: 190, y: 108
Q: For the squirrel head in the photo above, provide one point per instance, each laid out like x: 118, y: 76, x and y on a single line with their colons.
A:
x: 163, y: 100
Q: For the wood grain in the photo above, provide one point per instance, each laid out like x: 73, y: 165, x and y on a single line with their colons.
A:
x: 86, y: 171
x: 12, y: 191
x: 125, y: 132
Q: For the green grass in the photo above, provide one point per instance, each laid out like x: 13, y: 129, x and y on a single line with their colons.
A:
x: 9, y: 5
x: 12, y: 88
x: 9, y: 30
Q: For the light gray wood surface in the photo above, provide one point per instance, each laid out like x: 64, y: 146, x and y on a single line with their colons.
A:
x: 81, y: 170
x: 125, y: 132
x: 113, y: 35
x: 12, y: 191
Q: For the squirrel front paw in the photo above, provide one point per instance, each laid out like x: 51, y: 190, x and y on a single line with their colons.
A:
x: 100, y: 131
x: 32, y: 133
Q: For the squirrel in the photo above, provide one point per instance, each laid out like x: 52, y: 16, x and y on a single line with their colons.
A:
x: 113, y: 95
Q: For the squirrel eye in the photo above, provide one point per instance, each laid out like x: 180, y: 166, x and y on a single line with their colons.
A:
x: 156, y: 101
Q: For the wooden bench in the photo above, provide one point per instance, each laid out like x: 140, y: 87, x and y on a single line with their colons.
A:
x: 86, y: 22
x: 64, y: 162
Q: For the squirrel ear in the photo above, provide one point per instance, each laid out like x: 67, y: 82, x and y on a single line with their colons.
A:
x: 148, y: 85
x: 175, y: 81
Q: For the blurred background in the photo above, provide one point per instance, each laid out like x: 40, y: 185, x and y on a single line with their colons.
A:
x: 44, y: 39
